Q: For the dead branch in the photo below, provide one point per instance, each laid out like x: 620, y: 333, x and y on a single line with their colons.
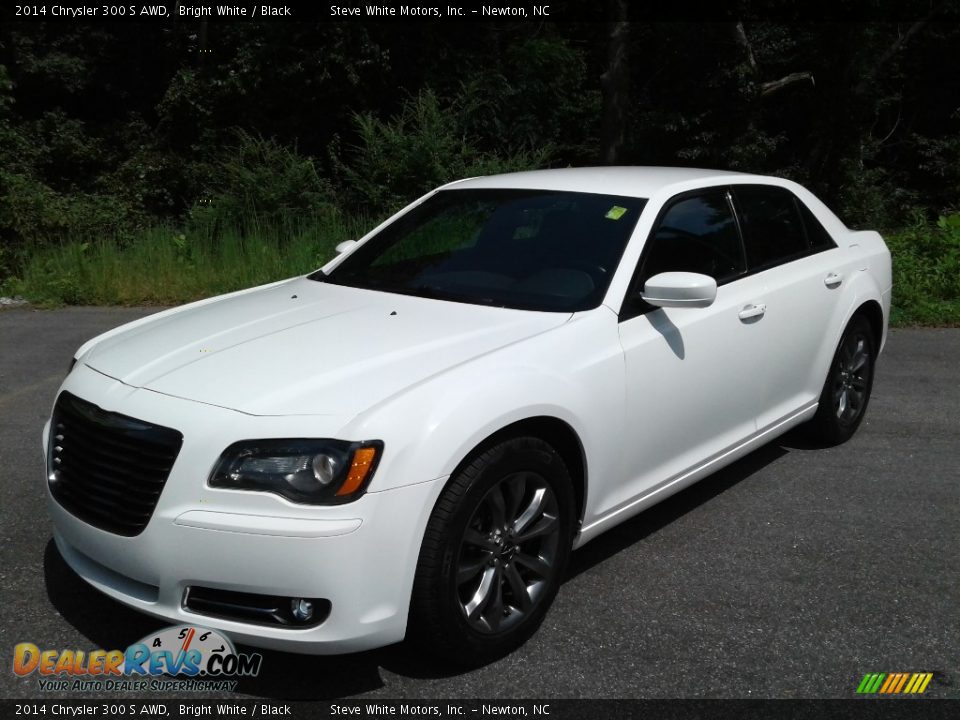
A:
x: 772, y: 86
x: 768, y: 88
x: 891, y: 51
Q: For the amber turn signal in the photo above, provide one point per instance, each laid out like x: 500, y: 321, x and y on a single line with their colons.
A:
x: 361, y: 466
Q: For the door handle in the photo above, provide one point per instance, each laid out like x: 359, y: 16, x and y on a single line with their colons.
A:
x: 833, y: 280
x: 752, y: 311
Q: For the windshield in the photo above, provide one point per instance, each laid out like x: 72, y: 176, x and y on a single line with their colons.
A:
x: 528, y: 249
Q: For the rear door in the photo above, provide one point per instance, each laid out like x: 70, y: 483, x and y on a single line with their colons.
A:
x: 802, y: 274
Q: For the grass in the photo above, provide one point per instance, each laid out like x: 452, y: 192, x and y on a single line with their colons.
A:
x: 165, y: 265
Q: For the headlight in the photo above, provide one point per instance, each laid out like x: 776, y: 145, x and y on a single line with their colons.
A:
x: 317, y: 472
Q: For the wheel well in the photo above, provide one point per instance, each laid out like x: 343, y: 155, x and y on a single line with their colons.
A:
x: 559, y: 435
x: 874, y: 314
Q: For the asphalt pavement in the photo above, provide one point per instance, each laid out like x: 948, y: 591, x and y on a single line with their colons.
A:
x: 790, y: 574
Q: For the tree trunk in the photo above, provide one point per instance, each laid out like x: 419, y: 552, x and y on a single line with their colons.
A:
x: 615, y: 85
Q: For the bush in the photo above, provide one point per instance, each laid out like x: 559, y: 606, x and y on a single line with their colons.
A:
x: 541, y: 96
x: 424, y: 146
x: 31, y: 213
x: 926, y: 272
x: 260, y: 182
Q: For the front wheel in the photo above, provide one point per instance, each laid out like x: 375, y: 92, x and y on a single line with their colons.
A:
x: 846, y: 392
x: 494, y: 552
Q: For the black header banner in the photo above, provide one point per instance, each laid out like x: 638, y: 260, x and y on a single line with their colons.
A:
x: 540, y: 11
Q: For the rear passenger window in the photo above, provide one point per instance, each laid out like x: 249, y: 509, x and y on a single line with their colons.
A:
x: 773, y: 230
x: 817, y: 235
x: 696, y: 234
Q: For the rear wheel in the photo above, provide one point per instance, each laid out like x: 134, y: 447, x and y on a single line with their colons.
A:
x: 846, y: 391
x: 494, y: 552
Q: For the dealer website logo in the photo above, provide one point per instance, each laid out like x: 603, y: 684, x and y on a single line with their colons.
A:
x: 182, y: 657
x: 894, y: 683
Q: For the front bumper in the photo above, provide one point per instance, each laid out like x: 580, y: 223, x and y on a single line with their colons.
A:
x: 360, y: 556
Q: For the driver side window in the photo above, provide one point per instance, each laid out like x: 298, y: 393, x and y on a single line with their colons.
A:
x: 697, y: 234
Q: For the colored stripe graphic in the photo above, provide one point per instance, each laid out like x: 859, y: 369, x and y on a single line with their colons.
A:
x: 891, y: 680
x: 875, y: 685
x: 894, y: 683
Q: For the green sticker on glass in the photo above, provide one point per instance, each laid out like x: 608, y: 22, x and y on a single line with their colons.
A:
x: 615, y: 213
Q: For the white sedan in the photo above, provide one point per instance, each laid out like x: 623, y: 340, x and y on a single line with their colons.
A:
x: 410, y: 441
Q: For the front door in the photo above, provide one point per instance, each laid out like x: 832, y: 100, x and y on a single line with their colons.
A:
x: 690, y: 372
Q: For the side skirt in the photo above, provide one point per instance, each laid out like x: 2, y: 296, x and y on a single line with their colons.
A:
x: 692, y: 475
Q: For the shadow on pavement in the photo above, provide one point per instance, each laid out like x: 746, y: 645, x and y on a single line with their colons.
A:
x: 653, y: 519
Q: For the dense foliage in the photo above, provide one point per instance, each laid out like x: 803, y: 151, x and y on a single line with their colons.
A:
x: 210, y: 130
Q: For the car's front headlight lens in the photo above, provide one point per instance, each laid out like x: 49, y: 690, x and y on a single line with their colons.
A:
x: 318, y: 472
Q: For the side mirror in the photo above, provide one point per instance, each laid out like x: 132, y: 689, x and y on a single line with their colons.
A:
x: 345, y: 245
x: 680, y: 289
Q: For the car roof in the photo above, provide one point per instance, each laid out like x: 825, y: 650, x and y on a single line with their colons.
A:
x: 638, y: 181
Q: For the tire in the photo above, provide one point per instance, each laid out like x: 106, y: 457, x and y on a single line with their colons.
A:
x: 846, y: 391
x: 494, y: 552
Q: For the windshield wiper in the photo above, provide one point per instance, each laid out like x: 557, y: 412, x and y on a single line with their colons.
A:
x: 434, y: 293
x: 431, y: 292
x: 426, y: 291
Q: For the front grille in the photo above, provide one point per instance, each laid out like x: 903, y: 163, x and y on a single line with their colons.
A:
x: 105, y: 468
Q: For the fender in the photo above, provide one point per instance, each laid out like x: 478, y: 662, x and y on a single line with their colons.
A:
x: 434, y: 426
x: 868, y: 279
x: 880, y: 267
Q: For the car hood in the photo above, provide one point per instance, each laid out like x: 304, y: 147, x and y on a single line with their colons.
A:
x: 308, y: 348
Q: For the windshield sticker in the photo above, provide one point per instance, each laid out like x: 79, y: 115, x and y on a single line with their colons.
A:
x: 615, y: 213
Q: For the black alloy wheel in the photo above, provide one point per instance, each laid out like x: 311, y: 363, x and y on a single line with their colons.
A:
x: 846, y: 391
x: 494, y: 552
x: 508, y: 554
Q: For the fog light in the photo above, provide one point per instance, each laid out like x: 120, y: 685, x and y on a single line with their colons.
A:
x: 302, y: 609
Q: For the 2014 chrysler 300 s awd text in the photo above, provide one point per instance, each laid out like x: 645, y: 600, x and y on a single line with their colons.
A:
x: 410, y: 441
